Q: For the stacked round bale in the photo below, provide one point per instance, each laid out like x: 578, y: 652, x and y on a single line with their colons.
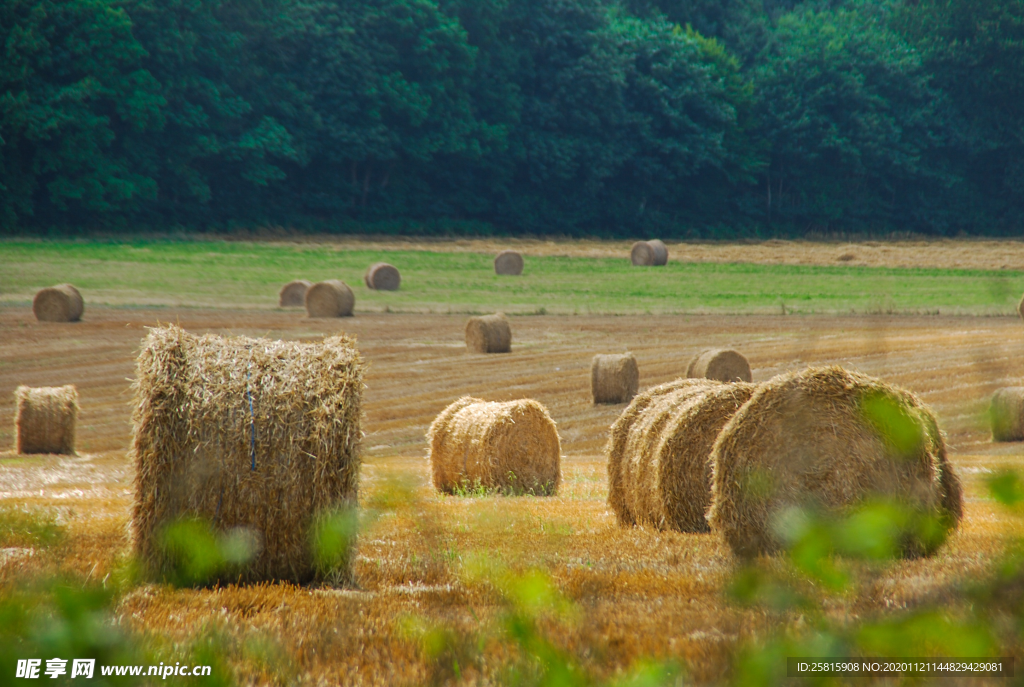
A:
x: 331, y: 298
x: 614, y: 378
x: 652, y: 253
x: 381, y: 276
x: 293, y: 294
x: 46, y: 419
x: 61, y: 303
x: 508, y: 262
x: 827, y: 440
x: 723, y: 365
x: 245, y: 433
x: 510, y: 447
x: 489, y: 334
x: 658, y: 451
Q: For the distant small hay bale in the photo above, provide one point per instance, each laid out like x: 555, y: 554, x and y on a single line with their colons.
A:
x: 828, y: 440
x: 245, y: 433
x: 628, y: 433
x: 651, y: 253
x: 508, y: 262
x: 1020, y: 308
x: 61, y: 303
x: 293, y: 294
x: 846, y: 257
x: 489, y: 334
x: 1006, y: 414
x: 723, y: 365
x: 614, y: 378
x: 666, y: 470
x: 382, y: 277
x: 46, y: 418
x: 331, y: 298
x: 510, y: 447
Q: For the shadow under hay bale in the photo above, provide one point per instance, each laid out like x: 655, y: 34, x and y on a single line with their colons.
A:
x: 293, y: 294
x: 382, y: 277
x: 510, y: 447
x: 630, y: 432
x: 250, y: 435
x: 331, y: 298
x: 46, y: 419
x: 508, y: 262
x: 61, y: 303
x: 723, y: 365
x: 1006, y: 414
x: 828, y: 441
x: 489, y: 334
x: 651, y: 253
x: 614, y: 378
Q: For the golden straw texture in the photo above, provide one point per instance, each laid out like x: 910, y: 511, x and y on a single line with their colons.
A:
x: 61, y: 303
x: 1007, y: 414
x: 723, y: 365
x: 614, y: 378
x: 46, y: 418
x: 293, y: 294
x: 489, y: 334
x: 331, y: 298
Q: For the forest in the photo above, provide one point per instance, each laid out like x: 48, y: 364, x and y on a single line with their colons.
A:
x: 604, y: 118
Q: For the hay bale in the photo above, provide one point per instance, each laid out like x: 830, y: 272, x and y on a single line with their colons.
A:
x: 614, y: 378
x: 627, y: 435
x: 1006, y: 414
x: 1020, y: 308
x: 828, y: 440
x: 489, y: 334
x: 45, y: 420
x: 508, y: 262
x: 331, y: 298
x: 245, y: 433
x: 723, y: 365
x: 652, y: 253
x: 61, y: 303
x: 293, y: 294
x: 382, y: 277
x: 512, y: 447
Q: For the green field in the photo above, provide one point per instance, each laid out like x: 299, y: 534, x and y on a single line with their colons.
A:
x: 249, y: 274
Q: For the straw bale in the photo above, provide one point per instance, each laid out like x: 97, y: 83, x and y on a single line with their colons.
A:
x: 828, y: 440
x: 1007, y: 414
x: 45, y: 420
x: 723, y: 365
x: 630, y: 432
x: 331, y: 298
x: 489, y: 334
x: 614, y: 378
x: 511, y: 447
x: 508, y: 262
x: 382, y: 277
x: 1020, y: 308
x: 245, y: 433
x: 61, y: 303
x: 651, y: 253
x: 293, y: 294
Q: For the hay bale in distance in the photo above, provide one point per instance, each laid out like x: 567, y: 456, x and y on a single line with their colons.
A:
x: 61, y: 303
x: 45, y: 420
x: 331, y: 298
x: 614, y: 378
x: 723, y: 365
x: 651, y: 253
x: 293, y: 294
x: 245, y: 433
x: 1006, y: 414
x: 828, y: 440
x: 508, y: 262
x: 511, y: 447
x: 382, y: 277
x: 489, y: 334
x: 1020, y: 308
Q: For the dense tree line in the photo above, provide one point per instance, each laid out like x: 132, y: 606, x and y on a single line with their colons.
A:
x: 710, y: 118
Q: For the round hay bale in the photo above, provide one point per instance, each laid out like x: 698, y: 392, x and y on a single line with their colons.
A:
x: 382, y: 277
x: 723, y: 365
x: 508, y: 262
x: 46, y: 418
x: 614, y: 378
x: 61, y: 303
x: 489, y: 334
x: 510, y: 447
x: 1006, y: 414
x: 828, y: 440
x: 1020, y: 308
x: 293, y: 294
x: 331, y: 298
x: 652, y: 253
x: 630, y: 434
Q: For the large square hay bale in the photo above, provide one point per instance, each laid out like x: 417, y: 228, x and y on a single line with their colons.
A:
x: 245, y: 433
x: 46, y: 418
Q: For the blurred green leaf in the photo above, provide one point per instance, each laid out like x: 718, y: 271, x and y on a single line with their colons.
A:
x: 1006, y: 487
x: 893, y: 423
